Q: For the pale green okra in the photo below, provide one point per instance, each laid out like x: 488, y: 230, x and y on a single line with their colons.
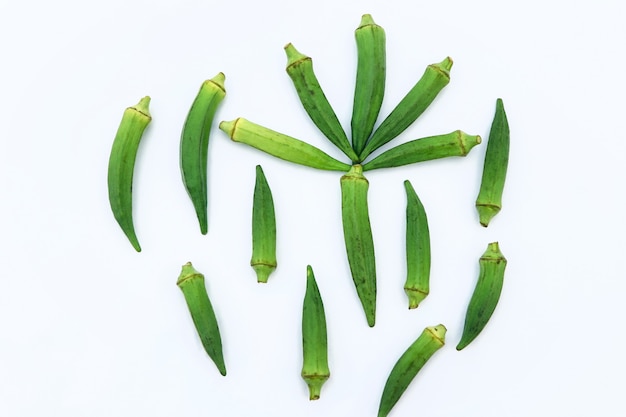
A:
x: 417, y: 284
x: 263, y: 229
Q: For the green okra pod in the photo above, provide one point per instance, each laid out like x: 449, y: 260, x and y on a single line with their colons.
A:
x: 314, y: 101
x: 263, y: 229
x: 194, y: 145
x: 191, y: 282
x: 315, y: 370
x: 435, y: 78
x: 122, y: 164
x: 409, y: 364
x: 358, y: 239
x: 370, y: 80
x: 280, y: 145
x: 489, y: 201
x: 457, y: 143
x: 486, y: 294
x: 417, y: 285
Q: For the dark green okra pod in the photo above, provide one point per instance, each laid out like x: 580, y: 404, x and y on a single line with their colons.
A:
x: 409, y: 364
x: 315, y: 370
x: 489, y: 201
x: 191, y: 282
x: 417, y: 285
x: 263, y: 229
x: 486, y: 294
x: 358, y: 238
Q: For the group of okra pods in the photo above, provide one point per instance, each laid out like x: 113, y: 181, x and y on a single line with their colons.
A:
x: 368, y: 97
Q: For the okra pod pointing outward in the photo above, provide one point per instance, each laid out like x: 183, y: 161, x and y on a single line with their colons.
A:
x: 194, y: 144
x: 486, y: 294
x: 315, y: 370
x: 435, y: 78
x: 409, y: 364
x: 370, y: 80
x: 191, y: 282
x: 489, y: 201
x: 263, y: 229
x: 281, y: 146
x: 357, y: 234
x: 122, y: 164
x: 300, y: 70
x: 417, y: 249
x: 457, y: 143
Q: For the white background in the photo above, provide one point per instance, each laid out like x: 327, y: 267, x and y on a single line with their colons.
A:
x: 89, y: 327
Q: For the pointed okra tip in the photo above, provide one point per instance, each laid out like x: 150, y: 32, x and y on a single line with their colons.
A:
x: 188, y: 272
x: 143, y: 107
x: 293, y: 55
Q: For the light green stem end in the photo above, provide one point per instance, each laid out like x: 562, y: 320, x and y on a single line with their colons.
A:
x: 415, y: 297
x: 315, y: 383
x: 293, y: 55
x: 143, y: 106
x: 486, y: 212
x: 188, y: 272
x: 366, y: 20
x: 263, y: 271
x: 228, y: 127
x: 218, y: 80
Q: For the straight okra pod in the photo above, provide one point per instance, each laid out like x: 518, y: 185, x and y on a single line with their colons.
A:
x: 417, y: 285
x: 263, y: 229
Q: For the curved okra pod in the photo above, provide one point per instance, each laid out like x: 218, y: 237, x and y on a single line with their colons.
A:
x: 122, y: 164
x: 370, y: 80
x: 315, y: 370
x: 489, y: 201
x: 435, y: 78
x: 314, y: 101
x: 357, y: 234
x: 191, y: 282
x: 486, y: 294
x: 417, y: 249
x: 263, y: 229
x: 409, y: 364
x: 194, y: 144
x: 281, y: 146
x: 457, y: 143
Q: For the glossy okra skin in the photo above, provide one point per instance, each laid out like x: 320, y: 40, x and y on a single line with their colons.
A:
x: 280, y: 145
x: 315, y: 371
x: 194, y: 145
x: 489, y: 201
x: 358, y: 239
x: 370, y: 80
x: 314, y: 101
x: 435, y: 78
x: 191, y: 282
x: 122, y: 165
x: 409, y: 364
x: 417, y: 285
x: 486, y: 294
x: 263, y: 229
x: 457, y: 143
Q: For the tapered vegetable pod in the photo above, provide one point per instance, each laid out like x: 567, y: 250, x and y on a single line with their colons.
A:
x: 191, y: 282
x: 314, y: 101
x: 122, y: 165
x: 435, y: 78
x: 281, y: 146
x: 486, y: 294
x: 457, y: 143
x: 263, y: 229
x: 358, y: 238
x: 409, y: 364
x: 194, y: 145
x: 315, y: 370
x: 417, y: 285
x: 370, y: 80
x: 489, y: 201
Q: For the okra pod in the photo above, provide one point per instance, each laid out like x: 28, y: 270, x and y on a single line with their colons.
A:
x: 370, y: 80
x: 358, y: 239
x: 486, y: 294
x: 417, y: 285
x: 191, y: 282
x: 194, y: 145
x: 457, y: 143
x: 314, y: 101
x: 489, y: 201
x: 435, y: 78
x: 315, y: 370
x: 122, y: 164
x: 409, y: 364
x: 280, y: 145
x: 263, y: 229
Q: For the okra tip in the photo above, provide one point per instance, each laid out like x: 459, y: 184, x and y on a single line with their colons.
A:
x: 293, y: 55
